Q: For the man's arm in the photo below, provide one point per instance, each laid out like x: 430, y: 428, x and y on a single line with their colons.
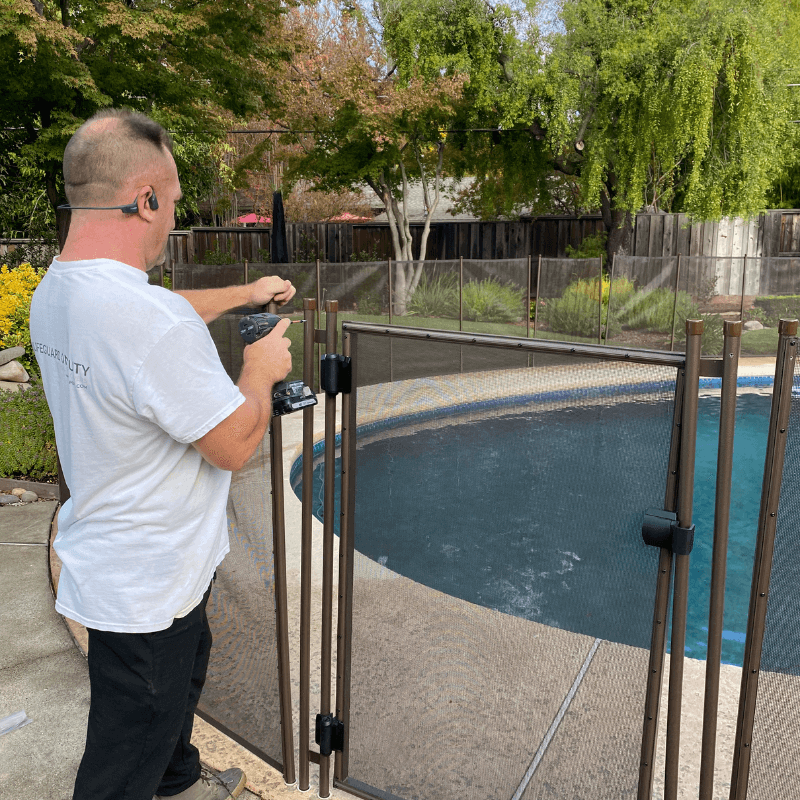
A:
x: 212, y: 303
x: 230, y: 444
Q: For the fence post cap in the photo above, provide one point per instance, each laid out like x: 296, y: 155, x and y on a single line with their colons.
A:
x: 787, y: 327
x: 694, y: 327
x: 732, y: 327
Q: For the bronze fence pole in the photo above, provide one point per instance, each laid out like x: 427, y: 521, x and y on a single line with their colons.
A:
x: 331, y: 309
x: 391, y: 343
x: 744, y: 275
x: 281, y: 596
x: 600, y: 304
x: 345, y: 604
x: 675, y: 306
x: 694, y: 332
x: 390, y: 291
x: 658, y: 640
x: 765, y: 543
x: 538, y: 290
x: 320, y: 307
x: 727, y: 421
x: 528, y: 304
x: 461, y: 293
x: 306, y: 540
x: 610, y: 287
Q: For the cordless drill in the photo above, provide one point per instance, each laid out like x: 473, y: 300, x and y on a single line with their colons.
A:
x: 287, y: 396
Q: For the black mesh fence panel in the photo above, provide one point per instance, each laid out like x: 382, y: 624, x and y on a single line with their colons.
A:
x: 241, y: 694
x: 502, y: 595
x: 495, y: 292
x: 361, y: 288
x: 568, y: 300
x: 775, y: 749
x: 425, y: 294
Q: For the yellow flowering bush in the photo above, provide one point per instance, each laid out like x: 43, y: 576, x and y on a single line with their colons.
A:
x: 16, y: 289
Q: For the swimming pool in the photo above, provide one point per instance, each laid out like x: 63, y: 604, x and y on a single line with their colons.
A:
x: 488, y: 537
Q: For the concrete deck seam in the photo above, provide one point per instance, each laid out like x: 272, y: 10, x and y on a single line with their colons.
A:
x: 24, y: 544
x: 556, y: 722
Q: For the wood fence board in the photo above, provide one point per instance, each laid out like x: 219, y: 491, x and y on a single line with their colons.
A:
x: 683, y: 235
x: 641, y: 235
x: 668, y: 236
x: 795, y: 225
x: 656, y: 238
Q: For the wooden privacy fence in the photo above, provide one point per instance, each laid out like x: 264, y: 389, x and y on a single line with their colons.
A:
x: 339, y: 241
x: 772, y: 234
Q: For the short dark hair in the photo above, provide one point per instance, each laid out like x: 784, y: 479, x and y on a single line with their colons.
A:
x: 102, y: 157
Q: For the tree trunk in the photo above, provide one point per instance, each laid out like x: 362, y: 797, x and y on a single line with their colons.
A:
x: 620, y: 234
x: 618, y: 225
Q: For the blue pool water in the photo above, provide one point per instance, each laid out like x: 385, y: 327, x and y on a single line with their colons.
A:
x: 467, y: 510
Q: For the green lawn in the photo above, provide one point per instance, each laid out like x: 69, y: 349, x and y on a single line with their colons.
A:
x: 295, y: 332
x: 760, y: 343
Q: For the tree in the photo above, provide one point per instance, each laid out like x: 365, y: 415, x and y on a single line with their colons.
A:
x: 191, y: 66
x: 378, y: 95
x: 675, y: 105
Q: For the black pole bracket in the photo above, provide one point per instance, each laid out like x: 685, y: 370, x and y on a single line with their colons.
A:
x: 329, y: 734
x: 661, y: 529
x: 335, y: 374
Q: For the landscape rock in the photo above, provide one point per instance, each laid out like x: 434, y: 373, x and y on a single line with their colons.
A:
x: 29, y: 497
x: 17, y: 492
x: 13, y: 371
x: 753, y: 325
x: 10, y: 353
x: 8, y: 499
x: 11, y: 386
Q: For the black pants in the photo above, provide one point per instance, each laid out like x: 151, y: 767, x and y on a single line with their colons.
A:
x: 144, y: 690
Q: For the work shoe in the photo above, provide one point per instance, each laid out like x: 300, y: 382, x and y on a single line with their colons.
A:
x: 212, y: 787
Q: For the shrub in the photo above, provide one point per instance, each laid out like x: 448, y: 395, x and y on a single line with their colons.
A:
x: 623, y: 289
x: 38, y: 251
x: 492, y: 301
x: 218, y: 257
x: 367, y: 297
x: 576, y: 311
x: 713, y: 336
x: 435, y: 297
x: 771, y: 310
x: 27, y: 438
x: 653, y: 310
x: 16, y: 289
x: 592, y: 246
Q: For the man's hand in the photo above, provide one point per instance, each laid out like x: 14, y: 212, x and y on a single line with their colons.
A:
x: 266, y: 362
x: 269, y: 289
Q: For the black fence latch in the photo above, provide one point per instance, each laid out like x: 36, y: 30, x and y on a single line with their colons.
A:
x: 335, y: 374
x: 329, y: 734
x: 661, y: 529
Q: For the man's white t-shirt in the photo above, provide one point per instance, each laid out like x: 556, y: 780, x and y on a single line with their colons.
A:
x: 132, y: 377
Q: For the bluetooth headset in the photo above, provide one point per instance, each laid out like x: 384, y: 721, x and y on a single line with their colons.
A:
x: 131, y: 208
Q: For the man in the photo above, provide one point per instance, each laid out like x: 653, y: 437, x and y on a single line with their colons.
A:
x: 148, y: 427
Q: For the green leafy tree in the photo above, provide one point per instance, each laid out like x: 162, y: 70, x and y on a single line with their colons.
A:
x: 379, y: 94
x: 676, y: 105
x: 192, y: 66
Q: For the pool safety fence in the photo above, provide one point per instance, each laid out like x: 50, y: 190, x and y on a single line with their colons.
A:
x: 454, y: 677
x: 643, y: 302
x: 767, y: 753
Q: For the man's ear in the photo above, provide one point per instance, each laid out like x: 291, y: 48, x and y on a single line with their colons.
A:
x: 147, y: 203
